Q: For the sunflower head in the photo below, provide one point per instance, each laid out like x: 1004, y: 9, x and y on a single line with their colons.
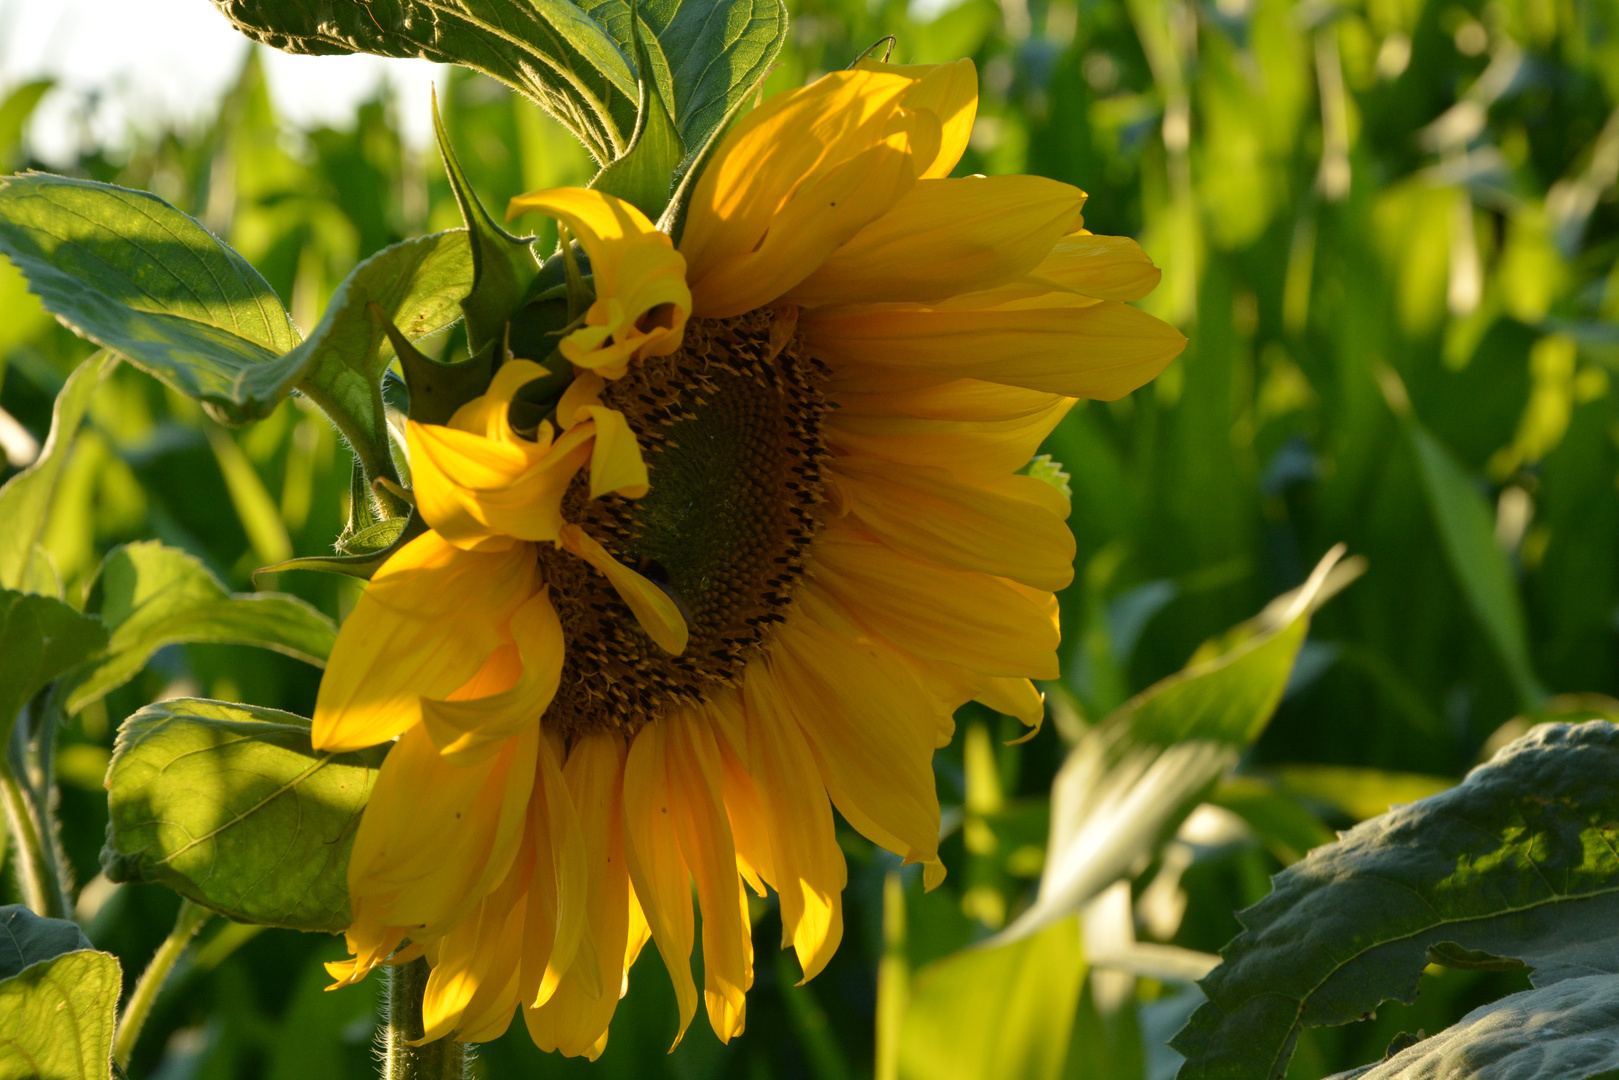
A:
x: 727, y: 556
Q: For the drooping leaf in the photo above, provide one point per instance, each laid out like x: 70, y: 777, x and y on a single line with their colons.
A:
x: 26, y: 938
x: 229, y: 805
x: 1134, y: 777
x: 150, y: 595
x: 1566, y: 1031
x: 56, y: 1018
x: 1000, y: 1013
x: 572, y: 56
x: 41, y: 638
x: 1467, y: 531
x: 1520, y: 861
x: 132, y: 273
x: 25, y: 500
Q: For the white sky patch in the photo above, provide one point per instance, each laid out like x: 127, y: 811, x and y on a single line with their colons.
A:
x: 143, y: 64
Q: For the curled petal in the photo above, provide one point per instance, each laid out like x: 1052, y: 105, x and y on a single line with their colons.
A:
x: 640, y: 279
x: 476, y: 491
x: 470, y: 725
x: 652, y: 607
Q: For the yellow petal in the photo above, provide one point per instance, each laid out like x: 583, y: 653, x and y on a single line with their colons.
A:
x: 1014, y: 697
x: 983, y: 623
x: 470, y: 487
x: 790, y: 139
x: 869, y: 725
x: 616, y: 467
x: 985, y: 448
x: 559, y: 891
x: 489, y: 414
x: 1106, y: 267
x: 658, y: 869
x: 574, y: 1020
x: 642, y: 301
x: 652, y: 607
x: 809, y: 869
x: 435, y: 838
x: 948, y: 91
x: 466, y: 728
x: 425, y: 624
x: 946, y: 237
x: 475, y: 970
x: 1061, y: 343
x: 1010, y: 526
x: 696, y: 779
x: 822, y: 215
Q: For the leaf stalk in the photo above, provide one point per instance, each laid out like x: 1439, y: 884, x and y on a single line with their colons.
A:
x: 191, y: 918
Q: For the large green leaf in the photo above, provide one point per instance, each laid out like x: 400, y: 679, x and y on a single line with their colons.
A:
x: 1520, y: 861
x: 572, y: 56
x: 229, y: 805
x: 25, y: 501
x: 995, y: 1014
x: 40, y: 639
x: 150, y: 595
x: 1566, y: 1031
x: 56, y: 1018
x: 1467, y: 530
x: 132, y: 273
x: 26, y: 938
x: 1134, y: 777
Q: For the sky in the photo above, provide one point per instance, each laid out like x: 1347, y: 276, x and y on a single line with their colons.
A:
x: 150, y: 61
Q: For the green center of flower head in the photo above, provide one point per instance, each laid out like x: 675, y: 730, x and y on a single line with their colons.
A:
x: 730, y: 429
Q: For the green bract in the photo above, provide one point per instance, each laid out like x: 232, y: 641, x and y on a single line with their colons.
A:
x: 228, y: 805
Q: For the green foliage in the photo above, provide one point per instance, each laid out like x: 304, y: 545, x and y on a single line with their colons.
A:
x: 149, y: 596
x: 129, y: 271
x: 25, y: 939
x: 572, y: 58
x: 1565, y: 1031
x: 41, y: 638
x: 56, y: 1018
x: 1518, y: 862
x: 228, y: 805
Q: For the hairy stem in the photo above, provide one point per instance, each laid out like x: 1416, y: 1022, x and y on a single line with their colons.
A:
x: 38, y: 878
x: 186, y: 924
x: 441, y: 1059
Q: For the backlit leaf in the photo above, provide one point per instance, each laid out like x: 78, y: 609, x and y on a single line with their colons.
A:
x: 56, y: 1018
x: 229, y: 805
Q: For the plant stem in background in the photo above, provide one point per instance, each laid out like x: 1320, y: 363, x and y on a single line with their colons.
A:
x: 441, y: 1059
x: 893, y: 978
x: 37, y: 877
x: 186, y: 924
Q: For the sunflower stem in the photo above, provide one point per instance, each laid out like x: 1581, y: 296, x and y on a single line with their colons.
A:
x: 186, y: 924
x: 441, y: 1059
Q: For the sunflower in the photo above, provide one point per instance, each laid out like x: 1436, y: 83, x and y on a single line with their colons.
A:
x: 772, y: 535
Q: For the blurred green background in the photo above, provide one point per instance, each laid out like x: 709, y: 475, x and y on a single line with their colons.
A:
x: 1389, y: 229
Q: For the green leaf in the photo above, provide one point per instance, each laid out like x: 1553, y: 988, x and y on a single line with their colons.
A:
x: 1519, y: 861
x: 132, y: 273
x: 996, y: 1013
x: 229, y: 805
x: 363, y: 553
x: 150, y: 595
x: 418, y: 286
x: 571, y: 57
x: 1467, y: 531
x: 25, y: 501
x: 644, y: 174
x: 1132, y: 779
x: 40, y: 639
x: 1567, y: 1031
x: 26, y: 938
x: 1049, y: 470
x: 56, y: 1018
